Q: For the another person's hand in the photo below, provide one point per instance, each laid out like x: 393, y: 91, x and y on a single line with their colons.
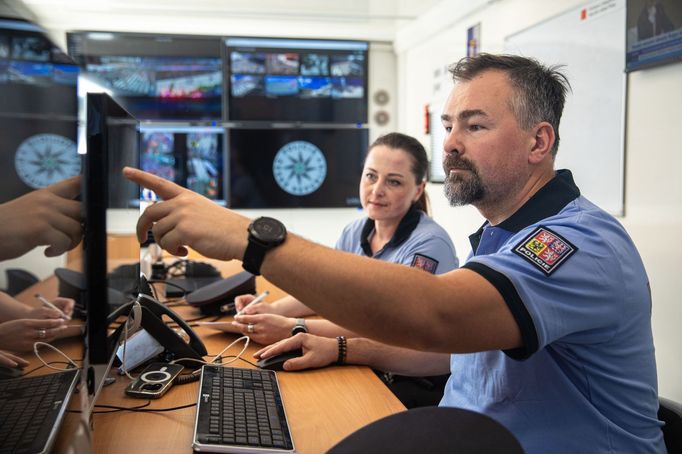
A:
x: 185, y: 218
x: 46, y: 217
x: 10, y: 360
x: 66, y: 305
x: 19, y: 335
x: 265, y: 328
x: 317, y: 351
x: 242, y: 301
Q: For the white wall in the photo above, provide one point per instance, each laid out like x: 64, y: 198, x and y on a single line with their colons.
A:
x: 653, y: 191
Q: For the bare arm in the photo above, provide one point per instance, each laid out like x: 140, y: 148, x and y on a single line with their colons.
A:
x: 322, y: 351
x: 455, y: 312
x: 287, y: 306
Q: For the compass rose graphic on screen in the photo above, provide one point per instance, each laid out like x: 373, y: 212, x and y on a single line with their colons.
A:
x: 299, y: 168
x: 44, y: 159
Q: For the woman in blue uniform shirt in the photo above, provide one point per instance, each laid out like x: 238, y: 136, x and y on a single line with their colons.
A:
x: 396, y: 228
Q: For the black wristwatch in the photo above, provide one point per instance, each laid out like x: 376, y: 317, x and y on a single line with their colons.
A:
x: 264, y: 234
x: 299, y: 327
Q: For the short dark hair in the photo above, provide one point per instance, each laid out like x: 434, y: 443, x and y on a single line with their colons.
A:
x: 420, y: 163
x: 539, y: 90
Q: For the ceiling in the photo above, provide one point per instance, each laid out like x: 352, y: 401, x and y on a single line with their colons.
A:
x: 360, y: 19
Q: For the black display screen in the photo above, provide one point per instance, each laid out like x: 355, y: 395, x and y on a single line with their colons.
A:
x: 36, y: 77
x: 297, y: 80
x: 285, y: 168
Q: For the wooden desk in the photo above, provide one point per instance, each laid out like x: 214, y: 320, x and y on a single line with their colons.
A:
x: 323, y: 406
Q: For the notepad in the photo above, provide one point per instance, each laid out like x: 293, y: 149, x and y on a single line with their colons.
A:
x: 227, y: 327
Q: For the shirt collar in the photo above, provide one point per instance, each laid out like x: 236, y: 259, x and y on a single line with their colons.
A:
x: 548, y: 201
x: 405, y: 228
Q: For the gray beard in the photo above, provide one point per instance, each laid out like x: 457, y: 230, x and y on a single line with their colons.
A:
x: 463, y: 191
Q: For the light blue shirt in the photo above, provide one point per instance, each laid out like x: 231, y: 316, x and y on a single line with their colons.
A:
x: 418, y: 241
x: 585, y: 380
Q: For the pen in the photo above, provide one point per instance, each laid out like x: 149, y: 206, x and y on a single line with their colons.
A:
x: 256, y: 300
x: 52, y: 306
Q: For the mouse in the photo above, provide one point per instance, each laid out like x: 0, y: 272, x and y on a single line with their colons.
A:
x: 277, y: 362
x: 10, y: 372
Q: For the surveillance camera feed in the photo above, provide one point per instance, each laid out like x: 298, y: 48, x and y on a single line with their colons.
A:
x: 192, y: 157
x: 310, y: 80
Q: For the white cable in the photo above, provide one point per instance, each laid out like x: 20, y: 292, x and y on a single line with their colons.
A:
x: 35, y: 351
x: 246, y: 344
x: 136, y: 320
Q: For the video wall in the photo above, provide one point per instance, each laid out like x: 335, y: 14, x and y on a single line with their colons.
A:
x: 246, y: 122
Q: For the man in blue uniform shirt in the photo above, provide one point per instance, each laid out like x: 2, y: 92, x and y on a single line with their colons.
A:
x: 548, y: 323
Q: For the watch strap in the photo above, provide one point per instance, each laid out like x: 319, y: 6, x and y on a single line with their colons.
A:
x: 299, y: 327
x: 253, y: 257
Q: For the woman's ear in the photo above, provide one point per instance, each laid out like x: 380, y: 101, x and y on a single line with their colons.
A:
x: 542, y: 142
x: 420, y: 190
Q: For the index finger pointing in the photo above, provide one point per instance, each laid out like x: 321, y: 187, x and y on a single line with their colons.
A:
x: 163, y: 188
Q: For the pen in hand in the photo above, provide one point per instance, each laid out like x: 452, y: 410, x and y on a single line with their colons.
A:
x: 51, y: 306
x: 256, y: 300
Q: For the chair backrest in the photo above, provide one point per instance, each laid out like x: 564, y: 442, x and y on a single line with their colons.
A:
x: 431, y: 430
x: 18, y: 280
x: 670, y: 413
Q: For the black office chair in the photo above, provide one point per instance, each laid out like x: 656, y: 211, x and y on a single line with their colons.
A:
x: 431, y: 430
x: 18, y: 280
x: 671, y: 414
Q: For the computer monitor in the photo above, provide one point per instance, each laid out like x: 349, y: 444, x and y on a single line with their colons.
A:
x: 38, y: 110
x: 191, y: 156
x: 111, y: 206
x: 296, y: 80
x: 296, y: 167
x: 155, y: 77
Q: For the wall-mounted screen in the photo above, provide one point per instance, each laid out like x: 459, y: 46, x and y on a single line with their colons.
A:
x: 654, y: 33
x: 155, y: 77
x: 297, y: 80
x: 285, y: 168
x: 36, y: 77
x: 192, y: 157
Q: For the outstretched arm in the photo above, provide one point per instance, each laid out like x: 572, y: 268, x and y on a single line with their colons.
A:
x: 455, y: 312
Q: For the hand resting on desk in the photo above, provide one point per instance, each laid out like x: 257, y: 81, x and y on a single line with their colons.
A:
x: 317, y: 351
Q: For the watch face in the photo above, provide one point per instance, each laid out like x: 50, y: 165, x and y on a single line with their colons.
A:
x: 44, y: 159
x: 299, y: 168
x: 268, y: 229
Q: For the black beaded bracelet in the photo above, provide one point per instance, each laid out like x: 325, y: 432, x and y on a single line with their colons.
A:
x: 342, y: 350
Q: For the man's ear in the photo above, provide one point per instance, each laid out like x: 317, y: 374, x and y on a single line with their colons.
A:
x: 542, y: 142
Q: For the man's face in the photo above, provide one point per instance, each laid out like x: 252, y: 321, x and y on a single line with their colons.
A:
x: 485, y: 151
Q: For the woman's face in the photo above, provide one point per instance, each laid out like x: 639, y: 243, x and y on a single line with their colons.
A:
x: 387, y: 186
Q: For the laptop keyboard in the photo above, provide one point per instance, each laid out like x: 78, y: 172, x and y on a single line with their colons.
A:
x: 31, y: 410
x: 240, y: 410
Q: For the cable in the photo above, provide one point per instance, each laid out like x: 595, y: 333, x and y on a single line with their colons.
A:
x: 141, y: 408
x: 35, y: 351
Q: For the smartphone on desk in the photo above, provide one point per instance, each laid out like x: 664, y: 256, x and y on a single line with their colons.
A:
x: 154, y: 381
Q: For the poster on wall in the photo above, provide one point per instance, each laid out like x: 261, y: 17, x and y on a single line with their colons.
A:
x: 473, y: 40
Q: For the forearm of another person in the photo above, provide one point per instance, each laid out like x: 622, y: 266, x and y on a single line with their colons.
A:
x: 323, y: 351
x: 291, y: 307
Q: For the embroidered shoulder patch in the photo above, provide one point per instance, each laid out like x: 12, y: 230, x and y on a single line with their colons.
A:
x: 545, y: 249
x: 425, y: 263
